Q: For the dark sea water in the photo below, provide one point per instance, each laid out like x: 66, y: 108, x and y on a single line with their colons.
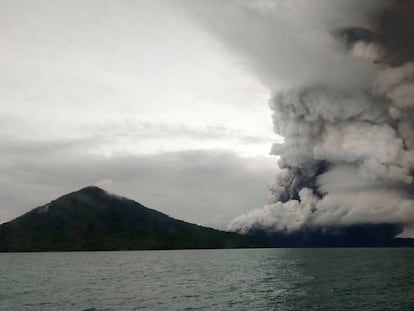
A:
x: 254, y: 279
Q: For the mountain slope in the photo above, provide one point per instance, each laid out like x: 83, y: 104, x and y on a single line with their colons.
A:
x: 92, y: 219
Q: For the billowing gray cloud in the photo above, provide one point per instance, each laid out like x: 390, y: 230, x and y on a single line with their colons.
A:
x: 288, y: 42
x: 341, y: 77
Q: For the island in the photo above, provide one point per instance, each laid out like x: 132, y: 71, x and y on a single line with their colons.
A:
x: 92, y: 219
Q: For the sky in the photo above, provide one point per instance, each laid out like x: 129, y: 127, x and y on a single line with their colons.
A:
x: 132, y: 96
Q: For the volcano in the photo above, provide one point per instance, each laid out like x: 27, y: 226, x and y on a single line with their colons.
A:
x: 92, y: 219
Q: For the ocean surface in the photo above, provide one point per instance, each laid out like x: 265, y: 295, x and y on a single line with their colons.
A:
x: 252, y: 279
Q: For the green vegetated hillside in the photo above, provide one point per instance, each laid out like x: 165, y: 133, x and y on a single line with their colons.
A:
x: 92, y: 219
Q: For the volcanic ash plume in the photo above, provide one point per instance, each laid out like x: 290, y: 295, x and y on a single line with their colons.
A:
x: 347, y: 159
x: 341, y: 74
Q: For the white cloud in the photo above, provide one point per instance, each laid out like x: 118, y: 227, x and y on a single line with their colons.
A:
x: 72, y: 68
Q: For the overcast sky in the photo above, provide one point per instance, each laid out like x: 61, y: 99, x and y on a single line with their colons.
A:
x: 132, y: 96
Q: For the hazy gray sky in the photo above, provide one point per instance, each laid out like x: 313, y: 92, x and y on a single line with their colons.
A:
x: 135, y: 97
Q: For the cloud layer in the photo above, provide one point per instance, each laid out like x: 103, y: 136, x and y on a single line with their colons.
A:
x: 197, y: 186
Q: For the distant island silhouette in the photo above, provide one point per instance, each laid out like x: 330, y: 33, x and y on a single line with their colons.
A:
x: 92, y: 219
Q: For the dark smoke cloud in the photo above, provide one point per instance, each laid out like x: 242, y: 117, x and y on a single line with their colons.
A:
x: 397, y: 32
x: 342, y: 77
